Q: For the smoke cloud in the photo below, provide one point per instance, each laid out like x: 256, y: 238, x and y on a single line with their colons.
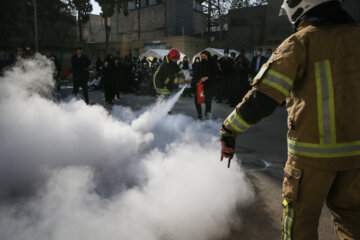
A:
x: 72, y: 171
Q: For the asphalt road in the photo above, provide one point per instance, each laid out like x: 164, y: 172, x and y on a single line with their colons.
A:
x: 262, y: 152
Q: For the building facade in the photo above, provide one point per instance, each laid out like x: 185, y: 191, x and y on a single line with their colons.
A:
x: 263, y: 27
x: 158, y: 18
x: 160, y: 24
x: 94, y: 29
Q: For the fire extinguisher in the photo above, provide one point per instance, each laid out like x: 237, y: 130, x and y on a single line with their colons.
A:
x: 200, y: 98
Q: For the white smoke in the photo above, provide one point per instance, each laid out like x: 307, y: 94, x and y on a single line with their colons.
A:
x: 72, y: 171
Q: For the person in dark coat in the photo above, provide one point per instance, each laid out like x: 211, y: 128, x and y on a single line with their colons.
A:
x: 225, y: 76
x: 241, y: 83
x: 128, y: 76
x: 80, y: 70
x: 257, y: 62
x: 206, y: 73
x: 99, y: 66
x: 118, y: 76
x: 109, y: 78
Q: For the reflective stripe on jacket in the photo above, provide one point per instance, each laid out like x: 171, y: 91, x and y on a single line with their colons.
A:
x: 317, y: 72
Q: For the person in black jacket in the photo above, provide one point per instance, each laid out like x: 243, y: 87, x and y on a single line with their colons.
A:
x: 99, y: 66
x: 241, y: 83
x: 206, y: 74
x: 118, y: 76
x: 80, y: 70
x: 226, y: 77
x: 109, y: 78
x: 257, y: 62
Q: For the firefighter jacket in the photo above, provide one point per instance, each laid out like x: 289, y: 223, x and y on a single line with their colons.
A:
x: 166, y: 76
x: 317, y: 72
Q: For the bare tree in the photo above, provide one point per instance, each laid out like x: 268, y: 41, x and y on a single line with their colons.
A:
x: 216, y: 11
x: 107, y: 10
x: 82, y: 8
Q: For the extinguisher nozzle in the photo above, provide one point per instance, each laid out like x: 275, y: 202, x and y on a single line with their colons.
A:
x: 229, y: 162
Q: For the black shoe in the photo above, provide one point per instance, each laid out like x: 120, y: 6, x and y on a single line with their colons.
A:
x: 199, y: 117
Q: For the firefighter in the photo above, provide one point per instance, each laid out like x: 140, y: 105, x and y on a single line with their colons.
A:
x: 169, y: 74
x: 316, y: 71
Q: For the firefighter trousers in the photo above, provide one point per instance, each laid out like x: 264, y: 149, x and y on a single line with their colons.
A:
x: 306, y: 189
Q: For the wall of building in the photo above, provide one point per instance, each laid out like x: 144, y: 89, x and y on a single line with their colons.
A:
x: 94, y: 30
x: 247, y: 27
x: 277, y: 28
x: 152, y: 24
x: 185, y: 44
x: 199, y: 22
x: 262, y: 26
x: 179, y: 17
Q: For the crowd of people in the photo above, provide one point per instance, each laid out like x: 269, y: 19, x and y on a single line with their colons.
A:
x: 226, y: 79
x: 114, y: 74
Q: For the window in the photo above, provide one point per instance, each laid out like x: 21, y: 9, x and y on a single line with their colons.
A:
x: 131, y: 5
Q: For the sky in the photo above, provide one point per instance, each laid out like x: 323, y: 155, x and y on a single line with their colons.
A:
x: 96, y: 7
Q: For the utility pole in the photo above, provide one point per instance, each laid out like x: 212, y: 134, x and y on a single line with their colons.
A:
x: 209, y: 15
x: 139, y: 6
x: 36, y: 27
x: 220, y: 22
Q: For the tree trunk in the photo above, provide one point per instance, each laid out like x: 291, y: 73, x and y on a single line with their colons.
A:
x: 209, y: 16
x: 107, y: 34
x: 139, y: 23
x: 80, y: 27
x: 220, y: 24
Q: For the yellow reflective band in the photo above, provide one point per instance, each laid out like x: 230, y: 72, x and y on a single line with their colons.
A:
x: 240, y: 120
x: 281, y: 76
x: 262, y: 71
x: 319, y: 102
x: 156, y: 73
x: 288, y: 222
x: 232, y: 124
x: 160, y: 90
x: 325, y: 102
x: 276, y: 86
x: 237, y: 123
x: 285, y: 202
x: 324, y: 150
x: 331, y: 101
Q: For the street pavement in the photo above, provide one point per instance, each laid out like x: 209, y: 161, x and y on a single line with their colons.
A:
x: 262, y: 152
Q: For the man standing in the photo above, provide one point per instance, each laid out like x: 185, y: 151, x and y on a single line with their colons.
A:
x: 80, y: 69
x: 257, y: 62
x: 246, y: 61
x: 226, y: 77
x: 316, y: 70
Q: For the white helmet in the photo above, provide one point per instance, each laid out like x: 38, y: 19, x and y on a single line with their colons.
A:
x: 295, y: 9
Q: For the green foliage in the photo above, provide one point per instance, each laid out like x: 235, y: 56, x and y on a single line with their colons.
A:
x: 17, y: 23
x: 108, y: 8
x: 83, y: 8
